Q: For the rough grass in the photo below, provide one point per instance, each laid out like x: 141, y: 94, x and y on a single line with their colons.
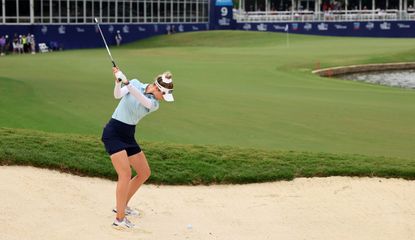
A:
x: 191, y: 164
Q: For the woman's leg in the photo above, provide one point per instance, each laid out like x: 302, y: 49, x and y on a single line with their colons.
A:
x: 122, y: 166
x: 139, y: 163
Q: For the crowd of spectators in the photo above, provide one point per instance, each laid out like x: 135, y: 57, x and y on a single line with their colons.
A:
x: 25, y: 44
x: 18, y: 44
x: 326, y: 6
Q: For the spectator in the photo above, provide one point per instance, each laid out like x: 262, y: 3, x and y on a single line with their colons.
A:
x: 54, y: 46
x: 20, y: 44
x: 15, y: 43
x: 7, y: 47
x: 273, y: 8
x: 326, y: 6
x: 118, y: 38
x: 2, y: 45
x: 33, y: 44
x: 29, y: 40
x: 25, y: 44
x: 336, y: 5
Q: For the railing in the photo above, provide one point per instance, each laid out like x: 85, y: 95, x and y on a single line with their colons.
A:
x: 329, y: 16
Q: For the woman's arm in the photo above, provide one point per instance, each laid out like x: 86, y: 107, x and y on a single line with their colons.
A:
x: 145, y: 101
x: 119, y: 91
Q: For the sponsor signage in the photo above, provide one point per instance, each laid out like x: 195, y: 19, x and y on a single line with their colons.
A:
x: 247, y: 26
x: 262, y: 27
x: 125, y: 29
x: 370, y: 26
x: 279, y: 27
x: 323, y: 27
x: 62, y: 30
x: 308, y: 26
x: 294, y: 26
x: 340, y: 26
x: 402, y: 25
x: 359, y: 29
x: 222, y: 17
x: 385, y: 26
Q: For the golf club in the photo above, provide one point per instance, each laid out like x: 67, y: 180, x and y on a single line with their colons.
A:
x: 105, y: 42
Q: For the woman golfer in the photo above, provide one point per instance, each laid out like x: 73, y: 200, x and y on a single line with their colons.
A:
x: 137, y: 100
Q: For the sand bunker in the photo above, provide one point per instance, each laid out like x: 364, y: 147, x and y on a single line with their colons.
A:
x: 44, y: 204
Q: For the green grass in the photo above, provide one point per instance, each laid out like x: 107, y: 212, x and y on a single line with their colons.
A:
x: 191, y: 164
x: 233, y: 90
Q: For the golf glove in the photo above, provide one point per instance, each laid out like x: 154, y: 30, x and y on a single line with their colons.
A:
x: 121, y: 77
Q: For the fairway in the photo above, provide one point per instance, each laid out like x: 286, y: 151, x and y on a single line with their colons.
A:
x: 245, y: 89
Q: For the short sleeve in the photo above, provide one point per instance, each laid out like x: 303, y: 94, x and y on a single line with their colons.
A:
x: 156, y: 105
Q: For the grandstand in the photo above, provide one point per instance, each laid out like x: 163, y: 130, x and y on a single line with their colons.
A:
x: 109, y: 11
x: 70, y: 23
x: 320, y: 10
x: 363, y: 18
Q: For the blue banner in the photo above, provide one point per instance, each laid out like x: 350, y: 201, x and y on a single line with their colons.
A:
x: 352, y: 29
x: 221, y: 16
x: 67, y: 36
x: 71, y: 36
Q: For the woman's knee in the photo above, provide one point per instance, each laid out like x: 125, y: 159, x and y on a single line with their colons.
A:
x: 125, y: 174
x: 147, y: 173
x: 144, y: 172
x: 140, y: 165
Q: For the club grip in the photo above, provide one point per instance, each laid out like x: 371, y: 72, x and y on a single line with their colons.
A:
x: 113, y: 64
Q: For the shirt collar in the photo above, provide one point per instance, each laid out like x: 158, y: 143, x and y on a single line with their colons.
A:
x: 143, y: 89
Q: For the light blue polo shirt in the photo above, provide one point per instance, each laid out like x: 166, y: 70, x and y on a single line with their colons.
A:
x: 130, y: 110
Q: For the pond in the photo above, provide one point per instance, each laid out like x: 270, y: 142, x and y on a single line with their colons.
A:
x: 398, y: 78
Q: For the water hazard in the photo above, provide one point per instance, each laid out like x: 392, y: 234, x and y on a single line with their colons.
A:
x: 398, y: 78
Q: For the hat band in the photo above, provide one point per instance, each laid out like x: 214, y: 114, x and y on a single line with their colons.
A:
x: 163, y: 89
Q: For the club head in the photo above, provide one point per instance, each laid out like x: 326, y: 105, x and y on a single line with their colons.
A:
x: 96, y: 20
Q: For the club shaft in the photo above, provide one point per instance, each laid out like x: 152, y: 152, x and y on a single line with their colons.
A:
x: 106, y: 45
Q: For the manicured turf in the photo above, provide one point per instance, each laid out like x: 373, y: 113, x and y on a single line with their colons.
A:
x: 244, y: 89
x: 191, y: 164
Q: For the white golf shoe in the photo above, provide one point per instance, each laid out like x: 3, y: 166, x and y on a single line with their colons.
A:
x: 129, y: 212
x: 122, y: 225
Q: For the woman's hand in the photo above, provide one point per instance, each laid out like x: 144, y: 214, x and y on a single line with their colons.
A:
x: 119, y: 76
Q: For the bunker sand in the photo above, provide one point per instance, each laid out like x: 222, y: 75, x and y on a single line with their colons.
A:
x: 43, y: 204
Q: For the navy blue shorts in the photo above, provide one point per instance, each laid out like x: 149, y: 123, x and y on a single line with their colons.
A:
x: 118, y: 136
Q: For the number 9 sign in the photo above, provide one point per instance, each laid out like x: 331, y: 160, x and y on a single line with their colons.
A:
x: 224, y: 11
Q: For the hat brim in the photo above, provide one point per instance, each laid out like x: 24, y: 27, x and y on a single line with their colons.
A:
x: 168, y: 97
